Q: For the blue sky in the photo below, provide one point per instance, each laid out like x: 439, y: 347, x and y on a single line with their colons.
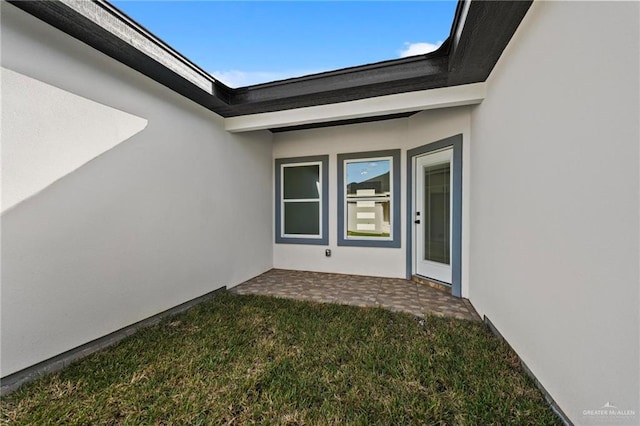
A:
x: 249, y: 42
x: 365, y: 170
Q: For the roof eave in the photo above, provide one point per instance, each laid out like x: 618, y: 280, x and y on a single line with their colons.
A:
x: 478, y: 37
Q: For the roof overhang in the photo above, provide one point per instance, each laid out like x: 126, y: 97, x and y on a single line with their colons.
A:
x: 380, y: 106
x: 480, y: 32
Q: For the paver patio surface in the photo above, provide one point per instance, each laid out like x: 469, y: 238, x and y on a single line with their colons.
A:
x: 390, y: 293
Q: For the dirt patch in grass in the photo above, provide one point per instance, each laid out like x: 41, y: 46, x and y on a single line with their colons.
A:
x: 253, y: 359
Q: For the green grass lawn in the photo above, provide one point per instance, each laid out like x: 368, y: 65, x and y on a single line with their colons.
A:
x: 252, y: 359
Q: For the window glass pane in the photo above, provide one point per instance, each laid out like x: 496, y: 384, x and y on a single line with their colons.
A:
x: 302, y: 218
x: 368, y: 190
x: 437, y: 208
x: 302, y: 182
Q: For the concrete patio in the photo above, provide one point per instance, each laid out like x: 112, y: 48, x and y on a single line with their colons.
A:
x: 389, y: 293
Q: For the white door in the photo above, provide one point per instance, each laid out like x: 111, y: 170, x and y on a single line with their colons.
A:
x: 433, y: 215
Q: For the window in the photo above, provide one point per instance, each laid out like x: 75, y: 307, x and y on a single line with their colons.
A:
x: 369, y: 199
x: 301, y: 200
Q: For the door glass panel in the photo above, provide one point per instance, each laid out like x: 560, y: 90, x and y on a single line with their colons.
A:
x: 437, y: 238
x: 302, y: 182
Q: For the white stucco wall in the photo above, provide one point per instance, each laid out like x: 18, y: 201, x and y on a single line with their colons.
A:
x: 176, y: 211
x: 554, y: 203
x: 404, y: 134
x: 48, y: 133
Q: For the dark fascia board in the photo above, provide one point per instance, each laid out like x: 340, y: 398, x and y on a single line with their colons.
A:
x: 468, y: 56
x: 488, y: 28
x: 315, y: 92
x: 382, y: 72
x: 76, y: 25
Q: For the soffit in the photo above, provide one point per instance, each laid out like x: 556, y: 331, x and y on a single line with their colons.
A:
x: 368, y: 109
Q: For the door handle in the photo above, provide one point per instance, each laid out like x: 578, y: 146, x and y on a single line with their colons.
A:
x: 417, y: 221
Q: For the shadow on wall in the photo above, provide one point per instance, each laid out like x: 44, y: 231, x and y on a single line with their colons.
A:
x: 48, y: 133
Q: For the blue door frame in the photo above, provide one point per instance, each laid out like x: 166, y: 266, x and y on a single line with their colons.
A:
x: 454, y: 142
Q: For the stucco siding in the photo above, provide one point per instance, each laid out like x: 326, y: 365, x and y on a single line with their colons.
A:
x: 554, y: 203
x: 178, y: 210
x: 404, y: 134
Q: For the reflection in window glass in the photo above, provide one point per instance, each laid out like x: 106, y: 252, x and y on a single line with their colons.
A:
x: 368, y: 193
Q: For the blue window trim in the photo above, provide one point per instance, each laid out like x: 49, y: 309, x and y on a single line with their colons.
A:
x: 454, y: 142
x: 396, y: 200
x: 324, y: 238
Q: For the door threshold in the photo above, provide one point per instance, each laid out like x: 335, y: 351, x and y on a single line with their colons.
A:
x: 438, y: 285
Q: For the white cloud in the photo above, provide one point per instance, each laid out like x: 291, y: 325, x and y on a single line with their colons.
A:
x: 237, y: 78
x: 420, y: 48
